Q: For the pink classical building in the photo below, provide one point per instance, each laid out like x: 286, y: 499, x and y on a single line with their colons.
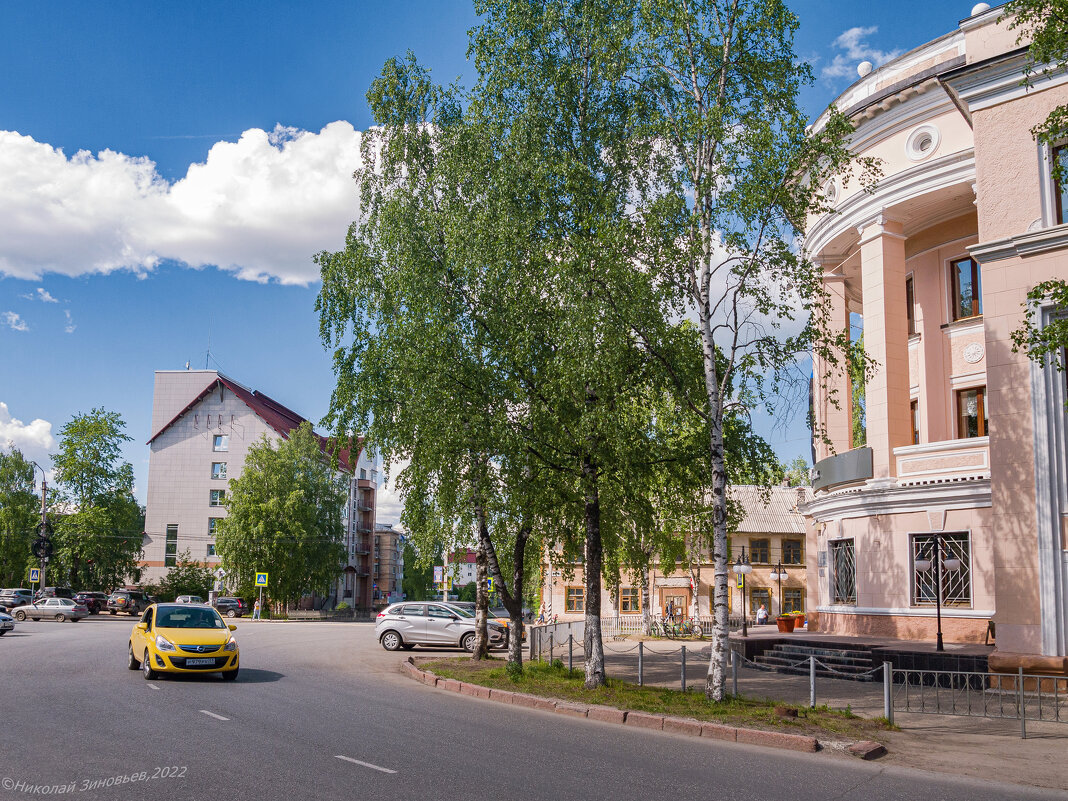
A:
x: 965, y: 439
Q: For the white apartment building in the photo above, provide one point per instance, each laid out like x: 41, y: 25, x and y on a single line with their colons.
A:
x: 203, y: 424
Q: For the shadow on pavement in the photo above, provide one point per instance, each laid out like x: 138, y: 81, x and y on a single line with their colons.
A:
x: 246, y: 676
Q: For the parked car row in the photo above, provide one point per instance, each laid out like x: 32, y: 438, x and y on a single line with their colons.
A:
x: 130, y: 602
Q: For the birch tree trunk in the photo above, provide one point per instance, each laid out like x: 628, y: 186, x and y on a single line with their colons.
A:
x: 481, y: 592
x: 643, y: 584
x: 591, y: 639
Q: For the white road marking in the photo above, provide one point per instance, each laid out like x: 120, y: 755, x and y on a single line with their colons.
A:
x: 364, y: 764
x: 153, y: 686
x: 213, y: 715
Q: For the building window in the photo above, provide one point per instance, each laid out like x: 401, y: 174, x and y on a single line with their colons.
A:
x: 211, y: 549
x: 792, y: 552
x: 758, y: 596
x: 213, y: 525
x: 220, y: 442
x: 914, y: 408
x: 760, y: 552
x: 170, y: 553
x: 218, y: 470
x: 218, y: 497
x: 967, y: 289
x: 1060, y: 190
x: 630, y: 600
x: 971, y: 412
x: 910, y: 304
x: 956, y: 584
x: 793, y: 600
x: 575, y: 601
x: 843, y: 561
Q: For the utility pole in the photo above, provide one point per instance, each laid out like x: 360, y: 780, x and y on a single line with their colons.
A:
x: 43, y: 545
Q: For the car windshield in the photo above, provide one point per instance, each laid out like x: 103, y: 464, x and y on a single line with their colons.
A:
x: 188, y: 618
x: 498, y: 611
x: 462, y: 612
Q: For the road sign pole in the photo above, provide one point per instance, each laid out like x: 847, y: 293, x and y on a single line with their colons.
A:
x: 261, y: 603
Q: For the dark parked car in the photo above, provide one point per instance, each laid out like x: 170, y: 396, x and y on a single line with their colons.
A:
x: 231, y: 607
x: 56, y: 592
x: 15, y: 596
x: 95, y: 602
x: 132, y: 602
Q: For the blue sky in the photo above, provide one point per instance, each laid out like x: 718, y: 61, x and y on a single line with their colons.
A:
x: 168, y: 170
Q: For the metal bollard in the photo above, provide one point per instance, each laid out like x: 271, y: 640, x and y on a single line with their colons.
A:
x: 888, y: 692
x: 812, y: 682
x: 1023, y: 703
x: 551, y: 648
x: 734, y: 670
x: 570, y: 653
x: 641, y: 664
x: 684, y: 668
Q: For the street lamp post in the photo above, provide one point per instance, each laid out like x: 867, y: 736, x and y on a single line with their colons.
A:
x: 742, y: 567
x: 780, y: 574
x: 940, y: 562
x: 42, y: 530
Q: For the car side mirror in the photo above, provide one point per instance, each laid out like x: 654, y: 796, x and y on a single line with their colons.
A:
x: 141, y: 627
x: 232, y: 627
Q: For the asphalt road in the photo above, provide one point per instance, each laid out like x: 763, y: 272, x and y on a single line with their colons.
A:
x: 321, y: 712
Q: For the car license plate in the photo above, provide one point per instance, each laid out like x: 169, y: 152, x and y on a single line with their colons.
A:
x: 199, y: 662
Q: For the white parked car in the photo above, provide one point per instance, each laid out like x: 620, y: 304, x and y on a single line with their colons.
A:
x: 7, y: 623
x: 189, y: 599
x: 406, y: 625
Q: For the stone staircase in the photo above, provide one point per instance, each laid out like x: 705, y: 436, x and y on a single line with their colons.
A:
x: 854, y: 662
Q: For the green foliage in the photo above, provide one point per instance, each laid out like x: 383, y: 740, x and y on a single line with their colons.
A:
x: 284, y: 517
x: 856, y: 370
x: 417, y: 583
x: 186, y: 577
x: 341, y: 607
x: 796, y: 474
x: 1050, y: 340
x: 19, y: 516
x: 99, y: 534
x: 514, y: 671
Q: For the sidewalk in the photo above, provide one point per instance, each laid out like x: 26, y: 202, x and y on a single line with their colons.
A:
x: 981, y: 748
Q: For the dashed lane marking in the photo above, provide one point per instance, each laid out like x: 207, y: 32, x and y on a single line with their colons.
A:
x: 213, y: 715
x: 153, y: 686
x: 364, y: 764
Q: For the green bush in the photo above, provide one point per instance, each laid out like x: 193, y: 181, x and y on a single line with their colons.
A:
x: 341, y: 607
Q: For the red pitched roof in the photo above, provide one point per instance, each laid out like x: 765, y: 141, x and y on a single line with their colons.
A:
x: 281, y: 418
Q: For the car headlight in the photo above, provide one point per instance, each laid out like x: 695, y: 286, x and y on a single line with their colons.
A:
x: 231, y: 645
x: 163, y: 644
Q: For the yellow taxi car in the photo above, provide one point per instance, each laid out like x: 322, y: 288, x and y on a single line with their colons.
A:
x: 183, y: 638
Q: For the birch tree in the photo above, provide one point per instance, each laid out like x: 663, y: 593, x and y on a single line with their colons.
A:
x: 739, y: 173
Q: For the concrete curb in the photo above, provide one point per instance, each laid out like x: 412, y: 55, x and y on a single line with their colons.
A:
x: 608, y: 714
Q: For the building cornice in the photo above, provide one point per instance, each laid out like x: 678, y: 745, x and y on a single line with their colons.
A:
x: 860, y: 207
x: 906, y: 611
x: 869, y: 501
x: 998, y: 80
x: 1022, y: 245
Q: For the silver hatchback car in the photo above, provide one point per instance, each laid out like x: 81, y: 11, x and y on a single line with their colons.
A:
x: 406, y: 625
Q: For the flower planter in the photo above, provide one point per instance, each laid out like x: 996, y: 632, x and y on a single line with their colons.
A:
x: 786, y: 624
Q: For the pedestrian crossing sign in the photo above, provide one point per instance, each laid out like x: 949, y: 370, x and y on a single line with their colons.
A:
x: 491, y: 585
x: 35, y: 574
x: 261, y: 579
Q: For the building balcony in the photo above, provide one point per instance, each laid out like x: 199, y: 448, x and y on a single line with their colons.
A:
x: 941, y: 462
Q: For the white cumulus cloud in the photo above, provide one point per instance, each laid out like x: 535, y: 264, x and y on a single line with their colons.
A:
x: 34, y: 439
x: 70, y: 326
x: 856, y: 49
x: 259, y: 207
x: 14, y: 321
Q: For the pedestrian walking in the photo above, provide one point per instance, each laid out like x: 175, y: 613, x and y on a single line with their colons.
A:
x: 256, y: 610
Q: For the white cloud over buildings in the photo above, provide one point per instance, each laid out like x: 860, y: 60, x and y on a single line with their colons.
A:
x: 854, y: 43
x: 34, y: 439
x: 259, y: 207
